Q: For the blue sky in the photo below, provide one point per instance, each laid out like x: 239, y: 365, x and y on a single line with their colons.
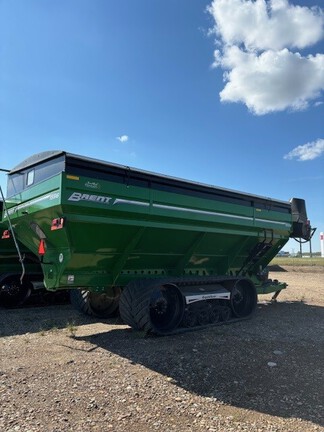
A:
x: 225, y: 92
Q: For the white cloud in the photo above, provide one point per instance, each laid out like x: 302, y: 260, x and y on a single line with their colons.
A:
x: 271, y: 24
x: 307, y: 151
x: 272, y: 81
x: 122, y: 138
x: 255, y: 40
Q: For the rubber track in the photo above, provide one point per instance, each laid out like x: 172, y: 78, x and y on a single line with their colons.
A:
x: 135, y: 299
x: 203, y: 327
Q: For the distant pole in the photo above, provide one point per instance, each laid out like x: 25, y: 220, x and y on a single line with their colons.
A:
x: 322, y: 244
x: 300, y: 248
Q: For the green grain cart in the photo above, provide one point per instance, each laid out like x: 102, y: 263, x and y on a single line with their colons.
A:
x: 16, y: 282
x: 171, y: 254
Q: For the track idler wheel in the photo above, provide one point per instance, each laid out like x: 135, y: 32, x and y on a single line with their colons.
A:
x: 152, y: 307
x: 166, y: 308
x: 243, y: 298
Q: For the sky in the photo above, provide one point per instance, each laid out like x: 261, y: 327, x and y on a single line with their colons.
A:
x: 224, y: 92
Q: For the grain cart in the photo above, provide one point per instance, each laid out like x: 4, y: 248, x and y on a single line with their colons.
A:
x: 15, y: 289
x: 172, y: 254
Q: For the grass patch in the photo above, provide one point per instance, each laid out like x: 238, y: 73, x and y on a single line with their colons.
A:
x: 48, y: 327
x: 71, y: 328
x: 295, y: 261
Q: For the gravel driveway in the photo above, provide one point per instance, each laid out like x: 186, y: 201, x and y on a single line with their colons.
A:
x: 60, y: 371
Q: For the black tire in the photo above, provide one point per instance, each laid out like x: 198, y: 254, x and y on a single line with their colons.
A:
x: 151, y: 306
x: 134, y: 305
x: 13, y: 294
x: 100, y: 305
x: 243, y: 298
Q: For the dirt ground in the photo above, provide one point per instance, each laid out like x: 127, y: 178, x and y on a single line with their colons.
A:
x: 60, y: 371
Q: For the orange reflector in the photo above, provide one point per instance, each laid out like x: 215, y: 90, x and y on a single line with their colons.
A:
x: 41, y: 247
x: 6, y: 234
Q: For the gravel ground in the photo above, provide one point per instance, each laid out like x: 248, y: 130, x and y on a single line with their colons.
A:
x: 60, y: 371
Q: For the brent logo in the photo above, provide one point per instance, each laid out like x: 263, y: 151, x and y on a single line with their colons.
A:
x: 78, y: 196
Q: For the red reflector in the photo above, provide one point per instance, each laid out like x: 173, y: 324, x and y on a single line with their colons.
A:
x: 41, y: 247
x: 57, y: 223
x: 6, y: 234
